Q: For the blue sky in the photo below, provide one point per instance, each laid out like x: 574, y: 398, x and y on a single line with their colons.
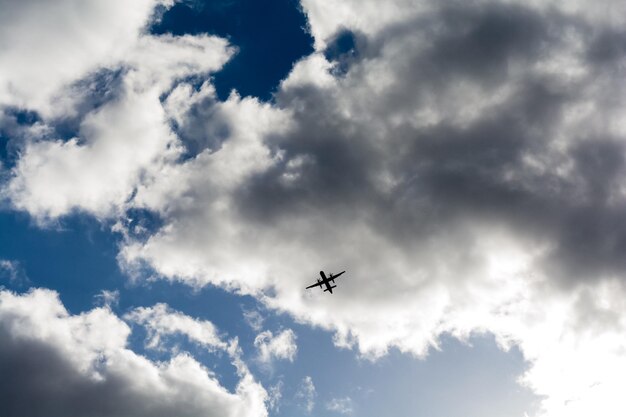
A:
x: 469, y: 379
x: 174, y: 175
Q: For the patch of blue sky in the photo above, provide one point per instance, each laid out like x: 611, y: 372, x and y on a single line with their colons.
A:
x: 270, y: 37
x: 342, y: 51
x: 142, y: 223
x: 77, y: 258
x: 12, y: 121
x: 458, y: 381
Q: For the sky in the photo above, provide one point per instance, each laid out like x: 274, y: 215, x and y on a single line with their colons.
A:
x: 173, y: 174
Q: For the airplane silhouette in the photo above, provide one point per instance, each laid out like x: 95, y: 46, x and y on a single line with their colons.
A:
x: 326, y: 281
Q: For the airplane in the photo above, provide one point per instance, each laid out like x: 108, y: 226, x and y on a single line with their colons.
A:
x: 326, y: 281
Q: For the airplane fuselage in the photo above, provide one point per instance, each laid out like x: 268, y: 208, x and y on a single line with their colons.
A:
x: 327, y: 280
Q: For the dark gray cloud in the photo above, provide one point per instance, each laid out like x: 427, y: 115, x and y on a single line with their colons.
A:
x: 208, y: 131
x: 39, y: 381
x: 608, y: 46
x: 449, y: 170
x: 455, y: 147
x: 57, y: 365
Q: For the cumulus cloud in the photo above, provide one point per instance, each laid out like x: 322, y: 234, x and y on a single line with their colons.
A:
x: 58, y: 364
x: 465, y: 167
x: 465, y: 170
x: 231, y: 156
x: 49, y: 45
x: 123, y: 140
x: 281, y: 346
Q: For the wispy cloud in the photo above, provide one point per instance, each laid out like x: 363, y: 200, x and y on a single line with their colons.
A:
x: 254, y: 319
x: 341, y: 405
x: 274, y: 396
x: 306, y: 394
x: 13, y: 271
x: 108, y: 298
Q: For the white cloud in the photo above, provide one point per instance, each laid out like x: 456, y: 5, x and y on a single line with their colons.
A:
x: 307, y: 393
x: 314, y: 69
x: 80, y: 365
x: 119, y: 145
x: 124, y: 140
x: 49, y: 45
x: 183, y: 251
x: 281, y: 346
x: 583, y: 328
x: 162, y: 321
x: 341, y: 405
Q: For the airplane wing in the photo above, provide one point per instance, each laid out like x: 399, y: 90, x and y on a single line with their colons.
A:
x: 337, y: 276
x: 319, y: 284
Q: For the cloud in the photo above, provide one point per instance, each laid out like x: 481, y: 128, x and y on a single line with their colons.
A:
x: 341, y: 405
x: 307, y: 393
x: 162, y: 321
x: 275, y: 396
x: 281, y: 346
x: 59, y: 364
x: 49, y: 45
x: 13, y: 271
x: 459, y: 170
x: 107, y: 87
x: 183, y: 252
x: 126, y: 141
x: 254, y: 319
x: 108, y: 298
x: 465, y: 167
